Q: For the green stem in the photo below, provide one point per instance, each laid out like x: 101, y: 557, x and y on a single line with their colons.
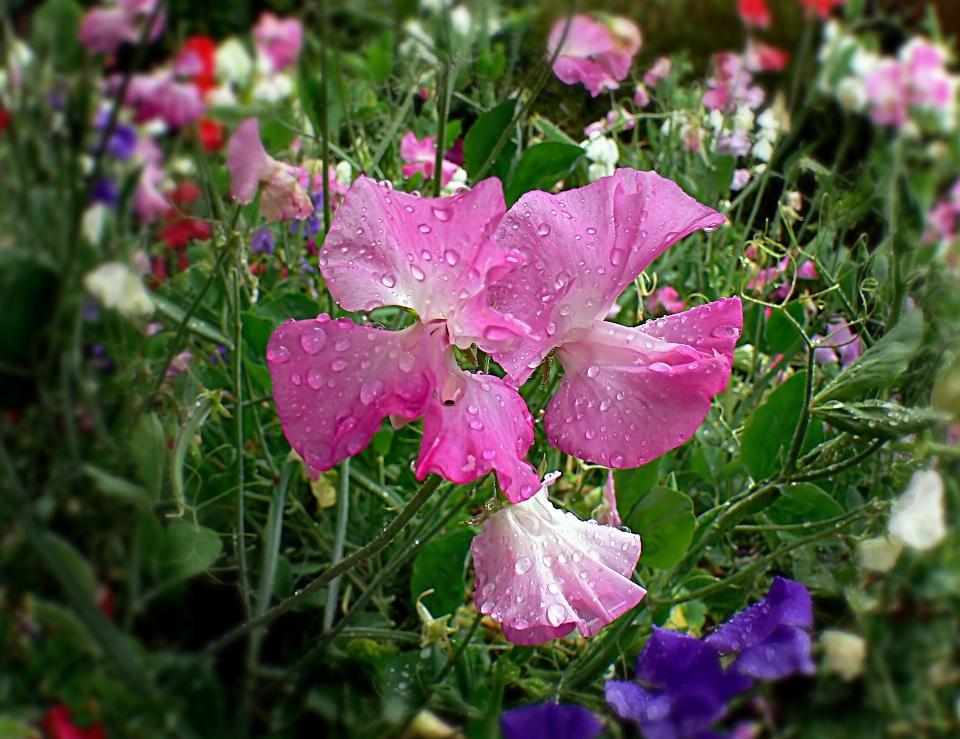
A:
x: 325, y: 114
x: 343, y: 513
x: 238, y: 420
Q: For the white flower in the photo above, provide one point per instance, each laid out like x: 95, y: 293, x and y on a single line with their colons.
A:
x: 273, y: 88
x: 460, y: 20
x: 344, y: 174
x: 844, y: 653
x: 233, y: 62
x: 418, y: 42
x: 434, y: 6
x: 91, y: 224
x: 182, y: 166
x: 743, y: 119
x: 456, y: 182
x: 116, y: 286
x: 917, y: 518
x: 852, y: 93
x: 604, y: 154
x: 221, y: 97
x: 879, y: 553
x: 762, y: 150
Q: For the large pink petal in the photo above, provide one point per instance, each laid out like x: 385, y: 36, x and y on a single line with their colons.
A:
x: 615, y: 63
x: 247, y: 160
x: 595, y: 78
x: 334, y: 382
x: 428, y: 254
x: 586, y: 246
x: 585, y: 38
x: 105, y: 29
x: 630, y: 395
x: 413, y: 150
x: 541, y: 572
x: 478, y: 423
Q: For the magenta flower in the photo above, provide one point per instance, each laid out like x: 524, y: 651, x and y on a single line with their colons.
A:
x: 421, y: 156
x: 929, y: 82
x: 105, y: 29
x: 594, y: 53
x: 541, y: 572
x: 161, y: 94
x: 841, y: 344
x: 335, y: 382
x: 148, y: 202
x: 659, y: 71
x: 608, y: 513
x: 665, y: 300
x: 628, y: 394
x: 250, y: 166
x: 279, y: 40
x: 771, y: 638
x: 943, y: 219
x: 550, y: 721
x: 886, y: 89
x: 731, y: 85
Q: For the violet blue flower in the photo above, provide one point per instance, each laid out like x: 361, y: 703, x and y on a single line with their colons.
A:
x: 682, y: 688
x: 420, y: 156
x: 106, y: 28
x: 541, y: 572
x: 282, y: 196
x: 771, y: 637
x: 550, y: 721
x: 123, y: 142
x: 594, y: 53
x: 105, y: 191
x: 334, y: 382
x: 628, y: 394
x: 262, y: 242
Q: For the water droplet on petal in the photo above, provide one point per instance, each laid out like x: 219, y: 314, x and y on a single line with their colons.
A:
x: 725, y: 332
x: 338, y: 365
x: 313, y: 340
x: 544, y: 229
x: 605, y: 403
x: 441, y: 214
x: 476, y: 425
x: 296, y: 379
x: 342, y: 345
x: 315, y: 378
x: 370, y: 391
x: 417, y: 273
x: 590, y: 434
x: 451, y: 257
x: 388, y: 280
x: 523, y: 565
x: 279, y: 354
x: 556, y: 613
x: 423, y: 228
x: 593, y: 371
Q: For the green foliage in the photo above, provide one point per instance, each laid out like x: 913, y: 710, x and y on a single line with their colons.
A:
x: 441, y: 567
x: 664, y: 519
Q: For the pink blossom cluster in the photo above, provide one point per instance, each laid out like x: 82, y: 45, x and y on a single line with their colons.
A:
x: 519, y: 284
x: 943, y: 220
x: 917, y: 79
x: 596, y: 53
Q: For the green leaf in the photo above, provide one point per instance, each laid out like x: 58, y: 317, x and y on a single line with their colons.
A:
x: 187, y: 551
x: 442, y: 566
x: 484, y: 134
x: 80, y: 569
x: 288, y: 305
x: 117, y: 487
x: 173, y: 312
x: 380, y: 57
x: 256, y: 332
x: 148, y: 450
x: 782, y: 334
x: 55, y: 27
x: 772, y: 428
x: 801, y: 504
x: 541, y: 167
x: 664, y: 519
x: 11, y: 728
x: 881, y: 364
x: 878, y: 419
x: 278, y: 132
x: 631, y: 485
x: 721, y: 175
x: 186, y: 438
x: 56, y: 619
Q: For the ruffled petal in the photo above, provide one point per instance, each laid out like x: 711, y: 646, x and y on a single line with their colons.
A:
x: 593, y: 76
x: 413, y: 150
x: 550, y: 721
x: 334, y: 382
x: 585, y: 247
x: 428, y: 254
x: 541, y: 573
x: 632, y: 702
x: 105, y: 29
x: 247, y: 161
x: 585, y: 37
x: 785, y: 652
x: 629, y: 395
x: 475, y: 424
x: 787, y: 603
x: 283, y: 197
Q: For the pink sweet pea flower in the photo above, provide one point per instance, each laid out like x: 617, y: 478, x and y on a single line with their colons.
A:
x: 764, y: 58
x: 641, y: 98
x: 279, y: 40
x: 943, y: 220
x: 822, y: 7
x: 148, y: 202
x: 886, y: 89
x: 335, y: 382
x: 929, y: 82
x: 421, y: 156
x: 659, y: 71
x: 629, y: 394
x: 754, y: 13
x: 541, y: 573
x: 105, y: 29
x: 162, y: 95
x: 840, y: 344
x: 250, y: 167
x: 665, y: 298
x: 731, y: 85
x: 607, y: 513
x: 594, y: 53
x: 740, y: 179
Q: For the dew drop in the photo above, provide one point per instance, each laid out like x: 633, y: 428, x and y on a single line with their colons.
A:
x: 476, y: 425
x: 423, y: 228
x: 523, y: 565
x: 417, y: 273
x: 544, y: 229
x: 279, y: 354
x: 605, y: 404
x: 590, y: 434
x: 441, y: 214
x: 315, y: 378
x: 370, y: 391
x: 593, y: 371
x: 389, y: 280
x: 451, y: 257
x: 338, y: 365
x: 342, y: 345
x: 296, y: 379
x: 556, y: 614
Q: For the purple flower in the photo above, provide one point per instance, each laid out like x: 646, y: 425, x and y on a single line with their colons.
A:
x: 840, y: 343
x: 262, y: 242
x: 220, y: 355
x: 122, y: 142
x: 682, y: 688
x: 550, y: 721
x: 105, y: 191
x: 771, y: 636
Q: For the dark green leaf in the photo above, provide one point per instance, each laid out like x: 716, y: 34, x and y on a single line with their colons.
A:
x: 877, y: 419
x: 76, y: 563
x: 782, y: 334
x: 541, y: 167
x: 117, y: 487
x: 664, y: 519
x: 55, y: 26
x: 484, y: 134
x: 631, y: 485
x: 803, y: 503
x: 442, y: 566
x: 881, y: 364
x: 187, y: 551
x: 772, y: 428
x: 170, y: 310
x: 288, y: 305
x: 148, y: 451
x: 257, y: 331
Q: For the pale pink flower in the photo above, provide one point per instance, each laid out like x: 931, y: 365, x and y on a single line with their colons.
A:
x: 764, y: 58
x: 665, y: 300
x: 641, y: 98
x: 628, y: 394
x: 607, y: 513
x: 886, y: 88
x: 148, y: 202
x: 929, y: 83
x: 740, y: 179
x: 731, y: 85
x: 335, y: 382
x: 250, y: 166
x: 279, y: 40
x: 943, y: 220
x: 541, y: 573
x: 105, y: 29
x: 841, y: 343
x: 421, y: 156
x: 595, y: 53
x: 659, y: 71
x: 161, y: 94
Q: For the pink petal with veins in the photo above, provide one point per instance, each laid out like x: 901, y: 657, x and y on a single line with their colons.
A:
x: 541, y: 573
x: 630, y: 395
x: 428, y: 254
x: 247, y: 160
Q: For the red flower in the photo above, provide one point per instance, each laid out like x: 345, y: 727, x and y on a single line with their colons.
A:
x: 764, y: 58
x: 211, y: 134
x: 180, y: 230
x: 183, y: 194
x: 196, y: 61
x: 105, y: 601
x: 754, y: 13
x: 5, y: 118
x: 56, y: 724
x: 823, y: 7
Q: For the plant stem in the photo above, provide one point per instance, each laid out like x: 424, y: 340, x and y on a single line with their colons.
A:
x: 343, y: 513
x: 325, y: 114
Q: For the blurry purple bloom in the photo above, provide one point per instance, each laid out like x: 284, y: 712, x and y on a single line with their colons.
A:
x: 262, y: 242
x: 90, y: 310
x: 122, y: 142
x: 57, y: 101
x: 771, y: 636
x: 310, y: 226
x: 306, y: 267
x: 740, y: 179
x: 105, y: 191
x: 840, y: 343
x: 737, y: 144
x: 550, y: 721
x: 100, y: 361
x: 682, y: 688
x: 220, y: 355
